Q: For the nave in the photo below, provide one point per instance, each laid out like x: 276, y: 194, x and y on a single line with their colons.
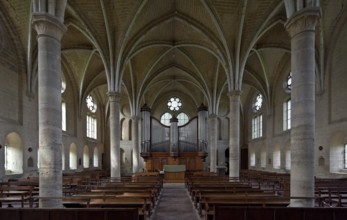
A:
x: 174, y: 203
x: 149, y: 196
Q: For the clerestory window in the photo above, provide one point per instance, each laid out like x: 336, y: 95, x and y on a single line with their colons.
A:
x: 257, y: 120
x: 91, y: 122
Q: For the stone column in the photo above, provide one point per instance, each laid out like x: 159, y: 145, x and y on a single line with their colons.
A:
x: 2, y: 159
x: 135, y: 137
x: 49, y: 33
x: 146, y: 124
x: 301, y: 27
x: 202, y: 131
x: 234, y: 139
x: 114, y: 99
x: 213, y: 142
x: 145, y: 133
x: 174, y: 136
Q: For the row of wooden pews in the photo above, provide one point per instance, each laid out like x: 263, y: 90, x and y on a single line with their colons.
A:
x: 141, y: 191
x: 263, y: 195
x: 331, y: 192
x: 85, y: 191
x: 209, y: 192
x: 279, y: 182
x: 69, y: 214
x: 278, y: 213
x: 23, y: 192
x: 11, y: 194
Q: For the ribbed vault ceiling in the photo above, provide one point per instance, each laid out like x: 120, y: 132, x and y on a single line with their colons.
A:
x: 150, y: 50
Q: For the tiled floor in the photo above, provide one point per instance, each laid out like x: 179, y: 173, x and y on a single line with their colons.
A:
x: 174, y: 204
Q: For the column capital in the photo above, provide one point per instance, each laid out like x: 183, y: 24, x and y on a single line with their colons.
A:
x: 212, y: 116
x: 234, y: 93
x: 114, y: 96
x: 48, y: 25
x: 174, y: 118
x: 303, y: 20
x: 202, y: 107
x: 135, y: 118
x: 145, y: 108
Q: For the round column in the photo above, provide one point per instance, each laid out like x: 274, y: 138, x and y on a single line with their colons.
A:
x: 213, y: 142
x: 301, y: 28
x: 49, y: 33
x: 234, y: 139
x: 114, y: 99
x: 202, y: 119
x: 174, y: 136
x: 135, y: 137
x: 146, y: 124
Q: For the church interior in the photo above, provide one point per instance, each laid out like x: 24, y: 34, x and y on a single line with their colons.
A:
x: 157, y: 95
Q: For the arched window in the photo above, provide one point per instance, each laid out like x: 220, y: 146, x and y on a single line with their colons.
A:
x: 288, y: 160
x: 91, y: 104
x: 63, y: 83
x: 252, y: 159
x: 288, y: 83
x: 85, y: 156
x: 73, y: 157
x: 96, y: 157
x: 63, y: 157
x: 182, y: 119
x: 257, y: 126
x: 287, y: 103
x: 257, y: 103
x: 63, y: 116
x: 13, y: 154
x: 165, y: 119
x: 277, y: 159
x: 287, y: 114
x: 91, y: 118
x: 263, y: 159
x: 257, y: 120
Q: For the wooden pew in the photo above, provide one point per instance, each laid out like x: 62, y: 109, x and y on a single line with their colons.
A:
x: 16, y: 195
x: 140, y: 203
x: 148, y: 195
x: 69, y: 214
x: 110, y: 201
x: 210, y: 204
x: 278, y: 213
x: 331, y: 192
x: 199, y: 201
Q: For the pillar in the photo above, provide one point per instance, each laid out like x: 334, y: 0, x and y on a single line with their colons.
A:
x: 114, y: 99
x: 301, y: 27
x: 50, y: 30
x: 146, y: 125
x: 174, y: 136
x: 135, y: 137
x: 202, y: 131
x: 234, y: 137
x: 213, y: 142
x: 145, y: 134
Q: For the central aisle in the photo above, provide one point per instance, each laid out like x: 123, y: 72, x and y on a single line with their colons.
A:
x: 174, y: 203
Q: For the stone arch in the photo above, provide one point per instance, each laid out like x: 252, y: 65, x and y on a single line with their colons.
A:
x: 96, y: 157
x: 276, y: 157
x: 73, y: 157
x: 30, y: 162
x: 86, y: 156
x: 13, y: 154
x: 62, y: 157
x: 336, y: 152
x: 122, y: 127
